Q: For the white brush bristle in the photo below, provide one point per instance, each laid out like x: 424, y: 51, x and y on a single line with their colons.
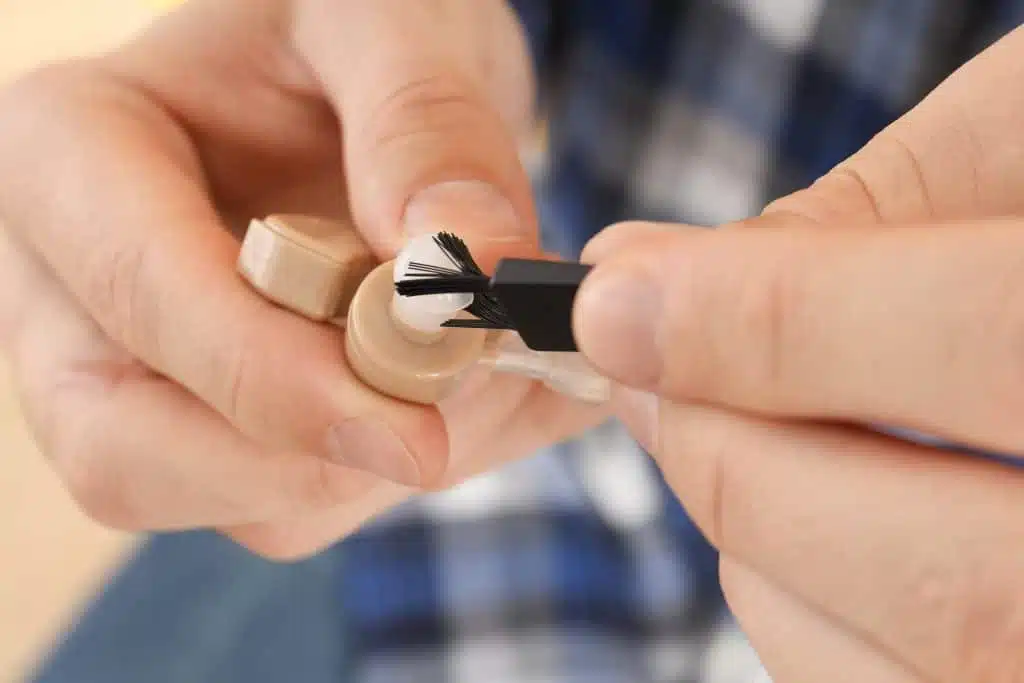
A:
x: 425, y: 313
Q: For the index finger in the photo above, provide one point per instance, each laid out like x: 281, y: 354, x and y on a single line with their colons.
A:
x: 119, y: 212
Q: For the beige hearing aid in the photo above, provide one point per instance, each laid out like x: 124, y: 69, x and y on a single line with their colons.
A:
x: 322, y: 269
x: 307, y: 264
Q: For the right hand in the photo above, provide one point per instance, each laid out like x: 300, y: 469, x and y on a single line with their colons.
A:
x: 887, y: 293
x: 169, y: 395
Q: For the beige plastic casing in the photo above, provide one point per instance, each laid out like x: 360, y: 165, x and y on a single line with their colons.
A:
x: 402, y: 362
x: 323, y: 270
x: 310, y: 265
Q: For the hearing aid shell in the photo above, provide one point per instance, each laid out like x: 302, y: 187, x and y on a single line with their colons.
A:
x: 322, y: 270
x: 310, y: 265
x: 404, y: 362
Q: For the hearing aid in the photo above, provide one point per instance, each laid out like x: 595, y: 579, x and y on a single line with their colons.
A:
x: 310, y: 265
x: 416, y: 325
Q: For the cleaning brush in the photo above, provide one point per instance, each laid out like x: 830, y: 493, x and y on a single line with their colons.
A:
x: 532, y: 297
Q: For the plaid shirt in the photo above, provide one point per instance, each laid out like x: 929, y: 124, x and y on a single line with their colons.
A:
x: 578, y: 564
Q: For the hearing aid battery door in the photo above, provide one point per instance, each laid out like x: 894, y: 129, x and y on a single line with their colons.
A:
x: 307, y: 264
x: 399, y: 362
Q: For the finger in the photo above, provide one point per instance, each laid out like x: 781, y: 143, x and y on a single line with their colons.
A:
x: 134, y: 237
x: 616, y: 238
x: 915, y: 550
x: 527, y: 415
x: 847, y: 324
x: 426, y: 145
x: 797, y: 645
x: 137, y: 453
x: 954, y: 156
x: 135, y: 450
x: 472, y: 442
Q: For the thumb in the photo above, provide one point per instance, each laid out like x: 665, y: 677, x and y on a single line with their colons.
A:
x: 416, y: 86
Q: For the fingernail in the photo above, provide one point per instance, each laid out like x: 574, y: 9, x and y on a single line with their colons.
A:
x: 615, y: 316
x: 463, y: 207
x: 373, y: 447
x: 638, y: 410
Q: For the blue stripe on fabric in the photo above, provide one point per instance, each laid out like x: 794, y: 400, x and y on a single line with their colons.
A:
x: 830, y: 119
x: 637, y: 35
x: 390, y: 586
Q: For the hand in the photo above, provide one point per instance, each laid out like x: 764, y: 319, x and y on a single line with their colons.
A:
x: 166, y: 393
x: 889, y: 293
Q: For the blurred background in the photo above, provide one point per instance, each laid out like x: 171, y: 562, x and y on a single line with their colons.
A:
x: 51, y: 557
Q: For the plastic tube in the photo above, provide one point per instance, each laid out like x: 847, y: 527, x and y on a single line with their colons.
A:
x: 566, y: 373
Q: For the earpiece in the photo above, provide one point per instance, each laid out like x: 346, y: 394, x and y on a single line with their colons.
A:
x: 415, y: 325
x: 322, y: 270
x: 309, y: 265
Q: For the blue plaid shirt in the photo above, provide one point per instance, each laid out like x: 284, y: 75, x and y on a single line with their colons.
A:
x: 578, y: 564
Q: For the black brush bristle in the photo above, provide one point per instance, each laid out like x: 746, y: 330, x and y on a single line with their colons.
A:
x: 458, y: 252
x: 466, y: 277
x: 488, y: 309
x: 443, y: 284
x: 473, y: 324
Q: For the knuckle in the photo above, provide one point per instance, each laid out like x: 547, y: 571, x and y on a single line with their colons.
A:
x: 843, y: 195
x: 795, y: 204
x: 74, y: 436
x: 720, y: 490
x: 324, y: 485
x: 888, y: 180
x: 234, y: 376
x: 118, y: 292
x: 690, y: 302
x: 323, y: 489
x: 425, y: 106
x: 765, y: 307
x: 97, y: 490
x: 235, y: 383
x: 915, y: 173
x: 824, y: 202
x: 769, y: 318
x: 852, y: 185
x: 247, y: 381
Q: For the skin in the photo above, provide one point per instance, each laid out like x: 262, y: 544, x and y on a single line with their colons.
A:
x: 165, y: 392
x: 887, y: 293
x: 167, y: 395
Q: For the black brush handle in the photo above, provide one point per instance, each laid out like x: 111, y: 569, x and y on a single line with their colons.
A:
x: 539, y: 296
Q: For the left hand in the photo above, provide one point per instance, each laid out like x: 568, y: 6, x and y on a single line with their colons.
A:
x: 889, y: 293
x: 165, y: 393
